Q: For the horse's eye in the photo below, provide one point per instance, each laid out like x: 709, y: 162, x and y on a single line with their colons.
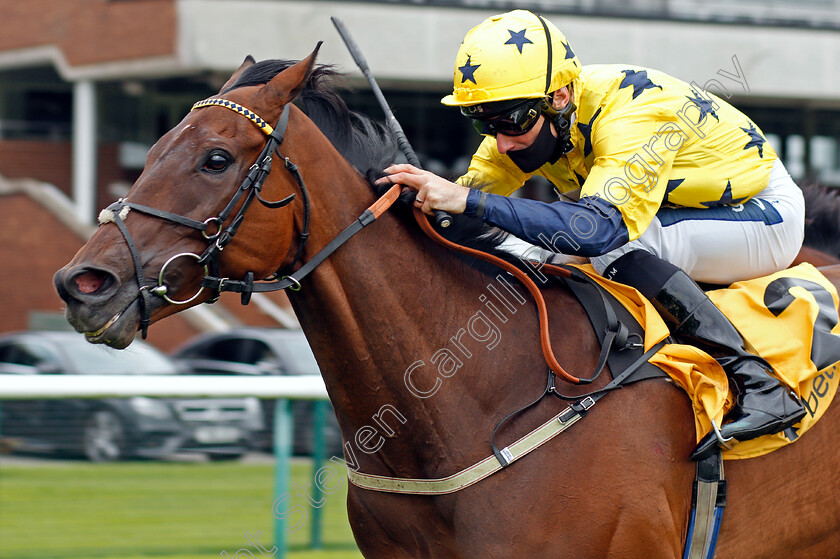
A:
x: 216, y: 163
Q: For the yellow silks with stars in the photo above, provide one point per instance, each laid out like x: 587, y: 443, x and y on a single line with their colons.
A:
x: 642, y: 139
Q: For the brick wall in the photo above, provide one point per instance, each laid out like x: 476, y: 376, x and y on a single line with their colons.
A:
x: 51, y: 162
x: 91, y: 31
x: 33, y: 245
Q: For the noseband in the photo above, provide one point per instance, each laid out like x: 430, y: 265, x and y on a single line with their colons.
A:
x: 218, y: 240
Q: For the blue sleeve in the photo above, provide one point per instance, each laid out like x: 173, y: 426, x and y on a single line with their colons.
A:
x: 590, y: 227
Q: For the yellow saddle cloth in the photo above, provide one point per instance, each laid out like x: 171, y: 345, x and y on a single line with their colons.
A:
x: 789, y: 318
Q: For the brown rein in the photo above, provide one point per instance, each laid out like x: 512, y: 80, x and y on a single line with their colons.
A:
x: 530, y: 285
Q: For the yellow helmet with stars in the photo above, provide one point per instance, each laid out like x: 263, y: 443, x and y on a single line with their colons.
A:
x: 507, y: 57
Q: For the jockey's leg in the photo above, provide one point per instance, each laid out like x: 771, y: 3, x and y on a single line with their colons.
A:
x: 724, y: 244
x: 763, y: 405
x: 720, y: 245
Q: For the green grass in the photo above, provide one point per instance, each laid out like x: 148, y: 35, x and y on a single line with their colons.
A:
x: 165, y: 510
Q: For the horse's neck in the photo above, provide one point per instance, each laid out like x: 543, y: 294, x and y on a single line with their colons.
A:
x: 407, y: 340
x: 380, y: 304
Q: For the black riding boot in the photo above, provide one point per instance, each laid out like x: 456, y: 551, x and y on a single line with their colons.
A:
x: 763, y: 405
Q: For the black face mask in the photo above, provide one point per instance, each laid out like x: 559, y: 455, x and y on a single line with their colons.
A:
x: 545, y: 148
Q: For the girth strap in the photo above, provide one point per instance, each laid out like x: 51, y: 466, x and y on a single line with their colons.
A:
x: 614, y: 336
x: 612, y: 323
x: 613, y: 333
x: 617, y: 349
x: 500, y: 458
x: 707, y: 503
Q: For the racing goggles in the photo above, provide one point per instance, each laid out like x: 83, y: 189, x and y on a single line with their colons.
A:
x: 512, y: 120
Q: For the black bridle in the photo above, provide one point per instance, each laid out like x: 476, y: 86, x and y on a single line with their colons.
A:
x: 209, y: 259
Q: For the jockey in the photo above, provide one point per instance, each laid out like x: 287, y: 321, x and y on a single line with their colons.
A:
x: 664, y: 185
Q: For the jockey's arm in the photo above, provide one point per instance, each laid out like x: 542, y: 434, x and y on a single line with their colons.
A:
x: 589, y: 227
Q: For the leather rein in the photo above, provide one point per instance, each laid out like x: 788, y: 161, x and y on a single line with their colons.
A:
x: 219, y: 236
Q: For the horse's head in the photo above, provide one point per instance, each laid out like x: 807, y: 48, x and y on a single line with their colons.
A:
x: 152, y: 250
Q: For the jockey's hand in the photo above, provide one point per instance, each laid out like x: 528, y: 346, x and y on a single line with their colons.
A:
x: 433, y: 192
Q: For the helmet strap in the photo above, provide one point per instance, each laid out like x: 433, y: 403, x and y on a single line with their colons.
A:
x: 561, y: 119
x: 563, y: 122
x: 549, y: 57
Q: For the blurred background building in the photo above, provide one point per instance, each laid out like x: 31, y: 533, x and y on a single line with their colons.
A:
x: 87, y: 86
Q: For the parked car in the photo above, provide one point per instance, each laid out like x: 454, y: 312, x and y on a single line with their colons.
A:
x: 110, y: 429
x: 265, y: 351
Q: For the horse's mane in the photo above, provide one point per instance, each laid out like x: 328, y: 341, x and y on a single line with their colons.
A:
x: 363, y: 142
x: 822, y: 219
x: 369, y: 146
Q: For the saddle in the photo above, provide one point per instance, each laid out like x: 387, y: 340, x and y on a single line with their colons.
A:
x: 789, y: 318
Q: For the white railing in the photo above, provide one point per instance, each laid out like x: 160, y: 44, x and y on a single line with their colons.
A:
x: 282, y: 388
x: 160, y: 386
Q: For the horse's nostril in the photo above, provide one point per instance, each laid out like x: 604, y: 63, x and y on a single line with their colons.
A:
x: 86, y: 282
x: 89, y: 282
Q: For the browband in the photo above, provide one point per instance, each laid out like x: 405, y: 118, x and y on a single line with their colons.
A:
x: 247, y: 113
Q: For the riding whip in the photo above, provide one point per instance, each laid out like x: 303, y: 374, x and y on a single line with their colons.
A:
x: 442, y: 219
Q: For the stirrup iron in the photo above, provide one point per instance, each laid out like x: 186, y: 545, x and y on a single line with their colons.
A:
x: 722, y: 441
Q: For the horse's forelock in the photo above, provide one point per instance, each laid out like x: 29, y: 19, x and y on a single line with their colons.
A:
x: 260, y: 73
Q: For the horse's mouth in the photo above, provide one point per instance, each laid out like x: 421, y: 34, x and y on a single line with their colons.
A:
x: 117, y: 332
x: 99, y: 336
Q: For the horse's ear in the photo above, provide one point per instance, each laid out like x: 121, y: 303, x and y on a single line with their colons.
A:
x: 286, y: 85
x: 249, y: 61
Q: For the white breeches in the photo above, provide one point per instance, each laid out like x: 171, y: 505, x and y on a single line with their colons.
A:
x: 724, y: 244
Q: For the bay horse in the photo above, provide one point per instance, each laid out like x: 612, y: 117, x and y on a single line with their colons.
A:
x: 419, y: 360
x: 822, y: 213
